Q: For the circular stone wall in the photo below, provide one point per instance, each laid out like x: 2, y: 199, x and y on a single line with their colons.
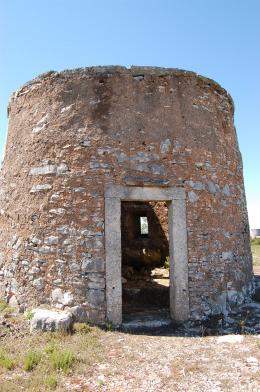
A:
x: 70, y: 134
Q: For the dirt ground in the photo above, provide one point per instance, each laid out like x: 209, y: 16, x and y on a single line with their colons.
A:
x: 166, y: 363
x: 112, y: 361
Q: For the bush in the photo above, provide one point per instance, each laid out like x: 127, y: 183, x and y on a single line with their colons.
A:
x: 28, y: 315
x: 81, y: 328
x: 5, y: 308
x: 167, y: 263
x: 51, y: 381
x: 50, y: 348
x: 255, y: 241
x: 31, y: 360
x: 63, y: 360
x: 5, y: 361
x: 3, y: 305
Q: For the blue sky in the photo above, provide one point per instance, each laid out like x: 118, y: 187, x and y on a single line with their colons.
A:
x: 216, y: 38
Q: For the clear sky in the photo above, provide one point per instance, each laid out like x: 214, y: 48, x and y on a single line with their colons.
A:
x: 216, y: 38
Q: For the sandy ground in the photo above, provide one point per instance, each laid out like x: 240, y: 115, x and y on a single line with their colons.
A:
x: 169, y: 363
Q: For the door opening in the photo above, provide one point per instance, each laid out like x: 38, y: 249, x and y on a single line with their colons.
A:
x: 115, y: 195
x: 145, y: 258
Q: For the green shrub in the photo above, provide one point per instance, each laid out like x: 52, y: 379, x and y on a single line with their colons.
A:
x: 5, y: 361
x: 255, y: 241
x: 28, y: 315
x: 50, y: 348
x: 167, y: 263
x: 81, y: 328
x: 3, y: 305
x: 51, y: 381
x: 31, y: 360
x: 109, y: 326
x: 63, y: 360
x: 5, y: 309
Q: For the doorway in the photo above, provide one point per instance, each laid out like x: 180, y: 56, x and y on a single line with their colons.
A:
x: 145, y: 259
x: 115, y: 195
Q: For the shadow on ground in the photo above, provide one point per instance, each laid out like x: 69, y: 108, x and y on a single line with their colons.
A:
x: 244, y: 319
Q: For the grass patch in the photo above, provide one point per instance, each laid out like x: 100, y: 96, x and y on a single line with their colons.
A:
x: 31, y: 360
x: 5, y: 309
x: 49, y: 358
x: 81, y: 328
x: 167, y: 263
x: 255, y: 241
x: 51, y: 381
x: 256, y: 254
x: 50, y: 348
x: 63, y: 360
x: 28, y: 315
x: 5, y: 361
x: 3, y: 305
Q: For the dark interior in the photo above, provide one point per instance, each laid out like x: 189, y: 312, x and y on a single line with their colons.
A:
x: 145, y: 257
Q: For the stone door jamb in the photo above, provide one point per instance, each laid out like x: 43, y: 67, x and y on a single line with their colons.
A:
x: 179, y: 292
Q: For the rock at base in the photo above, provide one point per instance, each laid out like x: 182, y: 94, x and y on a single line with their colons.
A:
x: 230, y: 339
x: 49, y: 320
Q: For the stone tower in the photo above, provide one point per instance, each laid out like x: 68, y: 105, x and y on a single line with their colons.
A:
x: 81, y: 145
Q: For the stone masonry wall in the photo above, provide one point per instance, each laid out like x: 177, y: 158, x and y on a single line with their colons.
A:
x: 72, y: 132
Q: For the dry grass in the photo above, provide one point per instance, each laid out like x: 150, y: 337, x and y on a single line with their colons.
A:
x: 256, y: 255
x: 43, y: 361
x: 92, y: 360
